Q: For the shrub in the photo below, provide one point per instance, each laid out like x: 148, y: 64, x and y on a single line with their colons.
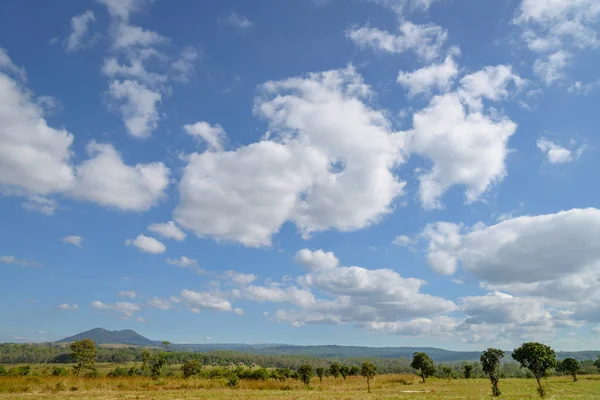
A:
x: 233, y: 382
x: 191, y: 368
x: 118, y: 372
x: 60, y: 371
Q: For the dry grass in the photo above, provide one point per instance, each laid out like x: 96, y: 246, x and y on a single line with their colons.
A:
x: 354, y: 388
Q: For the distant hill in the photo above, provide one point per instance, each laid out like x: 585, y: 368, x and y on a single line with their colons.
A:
x: 103, y: 336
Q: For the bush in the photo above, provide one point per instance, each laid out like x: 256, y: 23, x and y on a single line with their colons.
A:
x: 118, y: 372
x: 92, y: 373
x: 133, y: 371
x: 2, y: 371
x: 191, y: 368
x: 234, y: 382
x: 60, y: 387
x: 19, y: 371
x: 60, y: 371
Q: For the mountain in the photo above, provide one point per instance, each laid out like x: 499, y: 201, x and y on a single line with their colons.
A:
x: 103, y: 336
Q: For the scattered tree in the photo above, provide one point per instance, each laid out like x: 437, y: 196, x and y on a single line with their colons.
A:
x: 165, y: 344
x: 354, y: 371
x: 146, y: 355
x: 334, y: 370
x: 468, y: 371
x: 156, y: 364
x: 446, y: 371
x: 305, y: 372
x: 320, y: 372
x: 423, y: 363
x: 597, y: 363
x: 369, y: 371
x: 344, y: 371
x: 537, y: 358
x: 570, y: 366
x: 84, y: 353
x: 490, y: 363
x: 191, y: 368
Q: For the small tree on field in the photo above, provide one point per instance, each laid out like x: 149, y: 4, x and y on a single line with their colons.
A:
x: 423, y: 363
x: 84, y: 353
x: 468, y: 371
x: 334, y: 370
x: 191, y: 368
x: 354, y: 370
x: 597, y: 363
x: 320, y: 372
x: 446, y: 371
x: 156, y: 364
x: 490, y: 363
x: 570, y: 366
x: 305, y: 372
x: 146, y: 355
x: 369, y: 371
x: 344, y: 371
x: 537, y: 358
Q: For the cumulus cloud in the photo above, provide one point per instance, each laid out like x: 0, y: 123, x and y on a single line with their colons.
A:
x: 432, y: 77
x: 197, y: 301
x: 168, y: 230
x: 443, y: 238
x: 425, y: 40
x: 213, y: 135
x: 7, y: 65
x: 554, y: 28
x: 138, y: 106
x: 135, y: 69
x: 79, y: 29
x: 555, y: 153
x: 239, y: 278
x: 106, y: 180
x: 326, y: 164
x: 237, y: 20
x: 65, y: 306
x: 126, y: 309
x: 73, y: 239
x: 127, y: 293
x: 147, y: 244
x: 315, y: 260
x: 466, y: 142
x: 183, y: 262
x: 184, y: 66
x: 160, y: 303
x: 23, y: 262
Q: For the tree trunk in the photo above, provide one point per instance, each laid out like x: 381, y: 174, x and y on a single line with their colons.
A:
x: 540, y: 388
x: 423, y: 376
x: 574, y: 377
x: 368, y: 385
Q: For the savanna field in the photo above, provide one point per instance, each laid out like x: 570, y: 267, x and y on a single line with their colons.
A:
x: 389, y: 386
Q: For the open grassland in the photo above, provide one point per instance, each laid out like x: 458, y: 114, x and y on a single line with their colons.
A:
x: 383, y: 387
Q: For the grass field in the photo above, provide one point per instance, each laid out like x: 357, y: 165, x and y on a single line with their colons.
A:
x: 383, y: 387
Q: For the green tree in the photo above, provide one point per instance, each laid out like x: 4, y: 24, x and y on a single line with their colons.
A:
x: 537, y: 358
x: 354, y: 370
x: 570, y: 366
x: 369, y: 371
x: 424, y: 364
x: 446, y: 371
x: 84, y: 353
x: 490, y: 363
x: 344, y: 371
x: 190, y: 368
x: 468, y: 371
x: 305, y: 372
x: 156, y: 364
x: 597, y: 363
x: 165, y: 344
x: 3, y: 371
x: 146, y: 356
x: 320, y: 372
x: 334, y: 370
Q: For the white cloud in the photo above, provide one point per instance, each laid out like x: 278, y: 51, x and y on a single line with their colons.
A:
x: 127, y: 309
x: 168, y: 230
x: 213, y: 135
x: 555, y: 153
x: 325, y: 163
x: 79, y: 28
x: 237, y: 20
x: 128, y: 36
x: 73, y: 239
x: 425, y: 40
x: 491, y: 82
x: 404, y: 241
x: 135, y: 69
x: 147, y: 244
x: 553, y: 28
x: 183, y: 262
x: 583, y: 88
x: 184, y: 65
x: 467, y: 147
x: 239, y: 278
x: 315, y: 260
x: 9, y: 66
x: 40, y: 204
x: 68, y: 306
x: 160, y: 303
x: 550, y: 68
x: 121, y: 9
x: 19, y: 261
x: 127, y: 293
x: 34, y: 158
x: 435, y: 76
x: 437, y: 326
x: 443, y: 238
x: 138, y: 106
x: 140, y: 320
x: 205, y: 300
x: 501, y: 308
x: 106, y: 180
x: 291, y: 295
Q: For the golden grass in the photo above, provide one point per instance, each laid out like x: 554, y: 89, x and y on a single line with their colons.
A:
x: 385, y: 387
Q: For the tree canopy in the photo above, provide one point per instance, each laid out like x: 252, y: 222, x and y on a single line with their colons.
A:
x: 536, y: 357
x: 490, y: 363
x: 424, y: 364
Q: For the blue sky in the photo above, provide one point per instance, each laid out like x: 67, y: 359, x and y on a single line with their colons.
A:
x: 392, y: 172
